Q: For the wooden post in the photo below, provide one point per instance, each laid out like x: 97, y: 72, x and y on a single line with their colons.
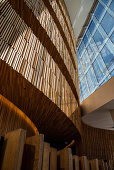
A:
x: 83, y: 163
x: 13, y: 150
x: 65, y: 159
x: 94, y: 164
x: 75, y: 160
x: 101, y: 165
x: 53, y: 159
x: 33, y: 153
x: 45, y: 165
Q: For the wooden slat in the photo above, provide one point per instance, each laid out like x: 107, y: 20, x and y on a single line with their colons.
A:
x: 84, y: 164
x: 13, y: 150
x: 65, y: 159
x: 101, y: 165
x: 94, y: 164
x: 33, y: 153
x: 45, y: 165
x: 75, y: 162
x: 53, y: 159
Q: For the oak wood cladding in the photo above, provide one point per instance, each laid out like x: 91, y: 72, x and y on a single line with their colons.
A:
x: 12, y: 118
x: 13, y: 150
x: 47, y: 117
x: 22, y: 50
x: 47, y: 4
x: 24, y: 11
x: 33, y: 153
x: 98, y: 143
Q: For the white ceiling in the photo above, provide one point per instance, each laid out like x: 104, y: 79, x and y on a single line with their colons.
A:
x: 78, y: 11
x: 101, y: 118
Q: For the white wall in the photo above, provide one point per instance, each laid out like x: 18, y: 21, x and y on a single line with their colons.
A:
x: 78, y: 11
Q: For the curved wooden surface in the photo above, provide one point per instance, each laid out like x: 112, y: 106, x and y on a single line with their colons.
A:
x: 24, y: 11
x: 12, y: 118
x: 47, y: 117
x: 52, y: 13
x: 101, y: 145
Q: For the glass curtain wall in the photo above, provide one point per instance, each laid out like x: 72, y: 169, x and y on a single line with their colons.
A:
x: 95, y: 50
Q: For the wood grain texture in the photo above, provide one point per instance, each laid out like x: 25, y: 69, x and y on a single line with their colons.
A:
x: 12, y: 118
x: 65, y: 159
x: 84, y: 163
x: 46, y: 116
x: 94, y: 164
x: 13, y: 150
x: 75, y: 162
x: 32, y: 158
x: 53, y: 159
x: 98, y: 143
x: 22, y: 50
x: 23, y: 10
x: 45, y: 164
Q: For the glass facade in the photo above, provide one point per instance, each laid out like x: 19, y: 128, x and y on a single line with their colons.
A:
x: 95, y: 52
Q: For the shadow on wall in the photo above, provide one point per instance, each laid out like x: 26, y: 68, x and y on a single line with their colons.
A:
x: 17, y: 41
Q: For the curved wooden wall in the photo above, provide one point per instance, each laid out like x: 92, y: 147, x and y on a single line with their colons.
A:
x: 98, y: 143
x: 12, y: 118
x: 95, y: 142
x: 45, y: 114
x: 43, y: 57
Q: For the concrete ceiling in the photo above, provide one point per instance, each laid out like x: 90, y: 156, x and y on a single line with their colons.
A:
x: 78, y: 12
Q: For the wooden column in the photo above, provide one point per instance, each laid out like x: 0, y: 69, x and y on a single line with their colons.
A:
x: 13, y: 150
x: 75, y: 160
x: 65, y: 159
x: 53, y: 159
x: 101, y: 165
x: 94, y: 164
x: 0, y: 133
x: 45, y: 165
x: 84, y: 164
x: 33, y: 153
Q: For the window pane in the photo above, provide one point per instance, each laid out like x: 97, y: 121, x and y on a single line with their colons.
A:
x: 85, y: 39
x: 98, y: 39
x: 107, y: 55
x: 92, y: 27
x: 81, y: 47
x: 105, y: 1
x: 88, y: 33
x: 112, y: 5
x: 112, y: 37
x: 84, y: 88
x: 107, y: 23
x: 99, y: 68
x: 86, y: 60
x: 80, y: 70
x: 102, y: 32
x: 92, y: 83
x: 112, y: 73
x: 93, y: 46
x: 99, y: 10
